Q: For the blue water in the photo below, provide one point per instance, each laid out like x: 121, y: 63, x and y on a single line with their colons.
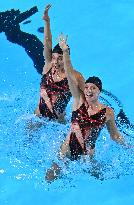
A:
x: 101, y: 41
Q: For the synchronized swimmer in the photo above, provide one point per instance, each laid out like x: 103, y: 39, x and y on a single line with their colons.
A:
x: 89, y: 116
x: 54, y: 88
x: 59, y: 83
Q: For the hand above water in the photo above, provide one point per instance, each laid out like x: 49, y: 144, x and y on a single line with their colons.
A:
x: 45, y: 15
x: 62, y: 40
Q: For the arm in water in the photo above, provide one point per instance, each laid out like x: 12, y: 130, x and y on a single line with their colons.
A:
x: 112, y: 129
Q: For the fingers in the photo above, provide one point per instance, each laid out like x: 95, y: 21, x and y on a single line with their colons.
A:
x: 62, y: 38
x: 48, y: 7
x: 66, y: 38
x: 45, y: 15
x: 59, y: 39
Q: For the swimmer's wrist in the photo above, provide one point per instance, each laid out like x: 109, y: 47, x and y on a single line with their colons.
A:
x: 47, y: 20
x: 66, y: 50
x: 124, y: 144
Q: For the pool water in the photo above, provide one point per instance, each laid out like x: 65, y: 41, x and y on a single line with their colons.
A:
x: 101, y: 42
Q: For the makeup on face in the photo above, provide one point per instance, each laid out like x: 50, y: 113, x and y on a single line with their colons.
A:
x: 91, y: 90
x: 57, y: 60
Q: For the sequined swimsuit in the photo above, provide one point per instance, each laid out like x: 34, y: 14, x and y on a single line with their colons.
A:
x: 93, y: 124
x: 61, y: 89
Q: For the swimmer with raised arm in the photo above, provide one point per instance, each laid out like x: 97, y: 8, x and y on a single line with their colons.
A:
x: 54, y: 88
x: 89, y: 116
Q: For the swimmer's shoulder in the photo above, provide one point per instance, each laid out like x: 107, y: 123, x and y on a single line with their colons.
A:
x: 109, y: 112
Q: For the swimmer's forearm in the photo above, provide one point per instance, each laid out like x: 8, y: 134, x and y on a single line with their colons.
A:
x: 72, y: 75
x: 47, y: 100
x: 67, y: 62
x: 47, y: 42
x: 47, y: 32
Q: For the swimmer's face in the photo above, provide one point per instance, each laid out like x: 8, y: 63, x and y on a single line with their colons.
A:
x: 91, y: 92
x: 57, y: 60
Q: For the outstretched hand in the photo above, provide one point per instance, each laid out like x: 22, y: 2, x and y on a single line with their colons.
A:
x: 62, y: 40
x: 45, y: 15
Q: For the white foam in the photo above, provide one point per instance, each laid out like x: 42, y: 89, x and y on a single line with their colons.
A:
x: 2, y: 171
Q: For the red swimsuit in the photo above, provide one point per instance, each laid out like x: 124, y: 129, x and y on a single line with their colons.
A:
x: 61, y: 88
x: 93, y: 123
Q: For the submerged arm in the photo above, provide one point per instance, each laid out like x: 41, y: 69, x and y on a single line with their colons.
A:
x: 112, y: 128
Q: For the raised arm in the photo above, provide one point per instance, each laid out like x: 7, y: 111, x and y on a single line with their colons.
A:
x: 75, y: 79
x: 47, y: 39
x: 112, y: 128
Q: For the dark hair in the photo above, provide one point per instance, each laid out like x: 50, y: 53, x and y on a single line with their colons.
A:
x: 58, y: 50
x: 96, y: 81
